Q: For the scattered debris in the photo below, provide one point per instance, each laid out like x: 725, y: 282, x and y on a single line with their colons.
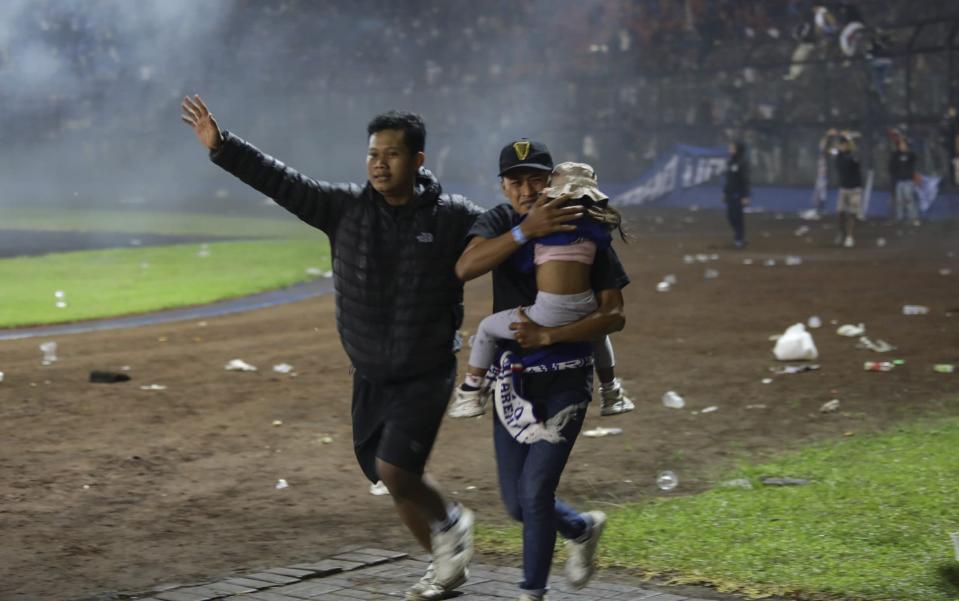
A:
x: 153, y: 387
x: 314, y: 271
x: 769, y: 262
x: 879, y: 346
x: 955, y: 543
x: 711, y: 274
x: 239, y: 365
x: 601, y: 432
x: 945, y: 271
x: 742, y: 483
x: 709, y: 409
x: 61, y: 302
x: 940, y: 368
x: 914, y: 310
x: 830, y: 406
x: 792, y: 261
x: 204, y: 251
x: 801, y: 231
x: 796, y: 344
x: 1, y: 376
x: 814, y: 322
x: 778, y: 481
x: 281, y: 484
x: 747, y: 261
x: 470, y: 487
x: 277, y: 423
x: 663, y: 287
x: 283, y: 368
x: 757, y: 406
x: 327, y: 274
x: 878, y: 366
x: 880, y: 242
x: 670, y: 279
x: 108, y: 377
x: 666, y: 480
x: 851, y: 330
x: 325, y: 439
x: 689, y: 259
x: 767, y: 380
x: 793, y: 369
x: 672, y: 400
x: 379, y: 489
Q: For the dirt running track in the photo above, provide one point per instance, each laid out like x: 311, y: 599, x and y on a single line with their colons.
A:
x: 114, y: 488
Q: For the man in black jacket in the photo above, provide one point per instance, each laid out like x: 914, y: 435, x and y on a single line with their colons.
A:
x: 394, y: 244
x: 902, y: 173
x: 736, y: 191
x: 849, y: 202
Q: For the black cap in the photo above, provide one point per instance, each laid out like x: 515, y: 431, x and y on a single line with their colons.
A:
x: 525, y: 153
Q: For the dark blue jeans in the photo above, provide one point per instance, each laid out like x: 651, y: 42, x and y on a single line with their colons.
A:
x: 529, y: 474
x: 734, y: 214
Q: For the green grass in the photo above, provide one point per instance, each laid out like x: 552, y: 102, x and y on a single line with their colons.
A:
x: 873, y: 524
x: 141, y: 222
x: 113, y: 282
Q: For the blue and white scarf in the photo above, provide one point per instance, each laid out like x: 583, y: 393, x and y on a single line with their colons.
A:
x: 516, y: 412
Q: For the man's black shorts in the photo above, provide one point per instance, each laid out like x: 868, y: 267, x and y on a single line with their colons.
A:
x: 397, y: 422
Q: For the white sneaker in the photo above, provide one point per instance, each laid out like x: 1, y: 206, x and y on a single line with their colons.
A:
x: 581, y: 564
x: 427, y: 589
x: 615, y: 400
x: 414, y: 593
x: 849, y: 242
x: 452, y: 552
x: 468, y: 403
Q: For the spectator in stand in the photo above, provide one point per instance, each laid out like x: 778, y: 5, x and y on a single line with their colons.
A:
x: 849, y: 202
x: 902, y: 174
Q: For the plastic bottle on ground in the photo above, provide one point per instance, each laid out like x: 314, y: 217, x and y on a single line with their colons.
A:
x: 672, y: 400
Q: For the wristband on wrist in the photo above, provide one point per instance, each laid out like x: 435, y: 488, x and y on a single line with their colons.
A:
x: 518, y: 235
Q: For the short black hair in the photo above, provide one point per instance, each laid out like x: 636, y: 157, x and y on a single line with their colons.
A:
x: 411, y: 124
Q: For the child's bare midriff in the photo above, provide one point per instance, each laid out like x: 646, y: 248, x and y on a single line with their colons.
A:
x: 563, y: 277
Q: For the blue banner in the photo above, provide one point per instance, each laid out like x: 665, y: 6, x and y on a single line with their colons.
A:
x: 683, y: 167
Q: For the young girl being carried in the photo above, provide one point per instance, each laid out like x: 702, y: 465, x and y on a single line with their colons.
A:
x: 564, y: 294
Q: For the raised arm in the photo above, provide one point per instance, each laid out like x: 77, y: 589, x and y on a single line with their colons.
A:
x: 545, y: 217
x: 609, y: 317
x: 317, y: 203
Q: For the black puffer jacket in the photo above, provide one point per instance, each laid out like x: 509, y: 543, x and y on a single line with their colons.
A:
x: 398, y: 302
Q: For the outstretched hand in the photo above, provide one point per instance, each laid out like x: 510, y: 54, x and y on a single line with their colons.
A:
x: 196, y: 115
x: 550, y: 215
x: 528, y: 333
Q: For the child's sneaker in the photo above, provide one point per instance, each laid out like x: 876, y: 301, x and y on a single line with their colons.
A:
x: 614, y: 398
x: 468, y: 403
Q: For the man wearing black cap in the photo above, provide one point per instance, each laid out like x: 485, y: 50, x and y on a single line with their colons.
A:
x: 556, y: 376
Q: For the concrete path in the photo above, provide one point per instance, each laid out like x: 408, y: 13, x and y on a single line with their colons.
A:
x: 373, y: 574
